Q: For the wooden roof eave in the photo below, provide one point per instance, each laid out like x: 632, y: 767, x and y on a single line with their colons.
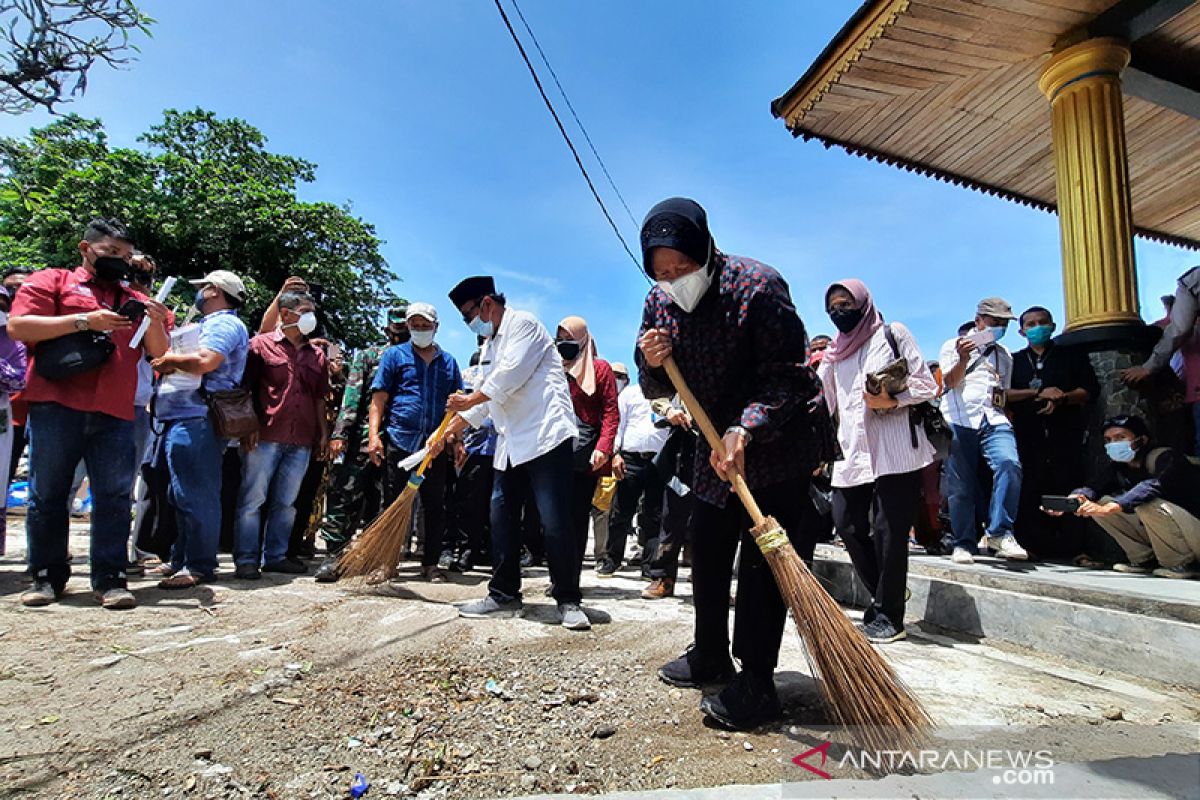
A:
x: 910, y: 165
x: 867, y: 24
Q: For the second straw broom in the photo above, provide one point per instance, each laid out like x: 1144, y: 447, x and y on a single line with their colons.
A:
x: 382, y: 543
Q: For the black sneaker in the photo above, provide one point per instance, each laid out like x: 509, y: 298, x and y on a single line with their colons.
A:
x: 606, y: 568
x: 747, y: 702
x: 693, y: 670
x: 328, y: 572
x: 247, y: 572
x: 881, y: 630
x: 286, y: 566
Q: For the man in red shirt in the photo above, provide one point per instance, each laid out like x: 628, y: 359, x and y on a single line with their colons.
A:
x: 85, y: 415
x: 290, y: 382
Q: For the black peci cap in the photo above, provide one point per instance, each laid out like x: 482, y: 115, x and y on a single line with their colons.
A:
x: 472, y: 288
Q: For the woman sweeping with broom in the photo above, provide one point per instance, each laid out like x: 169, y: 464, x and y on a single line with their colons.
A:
x: 730, y: 326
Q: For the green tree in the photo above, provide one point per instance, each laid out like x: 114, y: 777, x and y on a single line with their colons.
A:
x: 48, y: 46
x: 203, y: 194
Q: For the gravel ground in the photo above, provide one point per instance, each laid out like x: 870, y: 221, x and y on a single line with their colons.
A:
x: 287, y: 689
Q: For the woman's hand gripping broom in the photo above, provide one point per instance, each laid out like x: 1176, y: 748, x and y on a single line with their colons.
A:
x: 860, y: 687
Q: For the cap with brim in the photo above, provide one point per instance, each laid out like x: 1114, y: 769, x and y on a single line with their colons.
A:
x: 224, y: 280
x: 619, y: 369
x: 396, y: 314
x: 996, y: 307
x: 472, y: 288
x: 1129, y: 422
x: 425, y: 310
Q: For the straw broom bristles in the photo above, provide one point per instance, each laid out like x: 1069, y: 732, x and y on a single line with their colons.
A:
x: 860, y: 687
x: 380, y: 546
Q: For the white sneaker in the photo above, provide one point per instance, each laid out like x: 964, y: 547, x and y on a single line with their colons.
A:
x: 961, y: 556
x: 1006, y: 547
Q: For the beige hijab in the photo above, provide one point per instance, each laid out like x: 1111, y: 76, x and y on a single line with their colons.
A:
x: 582, y: 369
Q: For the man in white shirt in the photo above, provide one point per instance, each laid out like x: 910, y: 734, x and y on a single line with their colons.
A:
x: 525, y: 394
x: 977, y: 372
x: 640, y: 438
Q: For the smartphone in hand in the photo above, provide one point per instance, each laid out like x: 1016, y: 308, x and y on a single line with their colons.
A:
x: 981, y: 339
x: 132, y: 310
x: 1065, y: 505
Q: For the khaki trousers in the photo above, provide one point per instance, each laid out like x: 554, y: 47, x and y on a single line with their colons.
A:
x: 1156, y: 529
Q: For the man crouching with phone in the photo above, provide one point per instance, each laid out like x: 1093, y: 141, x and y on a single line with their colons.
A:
x: 1147, y: 498
x: 81, y: 398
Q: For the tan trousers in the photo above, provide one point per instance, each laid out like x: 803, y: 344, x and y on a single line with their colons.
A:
x: 1156, y: 529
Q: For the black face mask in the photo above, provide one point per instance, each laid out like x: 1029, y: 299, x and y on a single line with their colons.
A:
x: 111, y: 268
x: 568, y: 349
x: 846, y: 319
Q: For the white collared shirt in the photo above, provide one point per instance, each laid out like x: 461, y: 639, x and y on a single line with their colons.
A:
x: 637, y: 433
x: 969, y: 404
x: 530, y: 403
x: 876, y: 444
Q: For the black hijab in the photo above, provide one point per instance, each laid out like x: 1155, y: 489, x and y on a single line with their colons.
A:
x: 678, y: 223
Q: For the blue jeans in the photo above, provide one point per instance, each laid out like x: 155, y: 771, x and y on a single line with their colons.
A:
x: 194, y: 456
x: 549, y: 477
x: 58, y: 438
x: 998, y: 446
x: 271, y: 476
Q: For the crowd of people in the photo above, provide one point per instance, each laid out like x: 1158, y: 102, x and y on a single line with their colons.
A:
x: 222, y: 440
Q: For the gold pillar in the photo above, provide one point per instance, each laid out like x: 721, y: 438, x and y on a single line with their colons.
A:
x: 1083, y: 85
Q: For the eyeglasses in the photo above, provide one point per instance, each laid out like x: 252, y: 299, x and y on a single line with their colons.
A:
x: 472, y: 313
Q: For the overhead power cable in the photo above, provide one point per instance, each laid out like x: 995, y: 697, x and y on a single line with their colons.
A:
x: 567, y: 138
x: 574, y: 116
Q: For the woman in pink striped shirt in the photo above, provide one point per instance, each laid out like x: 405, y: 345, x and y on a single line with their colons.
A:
x: 877, y: 484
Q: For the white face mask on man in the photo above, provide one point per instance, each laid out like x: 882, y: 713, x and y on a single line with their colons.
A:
x: 306, y: 324
x: 421, y: 338
x: 688, y: 290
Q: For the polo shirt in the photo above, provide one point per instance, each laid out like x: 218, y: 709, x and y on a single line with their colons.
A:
x: 286, y: 381
x: 110, y: 388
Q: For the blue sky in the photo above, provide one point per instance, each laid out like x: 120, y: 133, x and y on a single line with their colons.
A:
x: 423, y: 117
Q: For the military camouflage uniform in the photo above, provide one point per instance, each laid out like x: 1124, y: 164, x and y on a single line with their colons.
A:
x: 355, y: 481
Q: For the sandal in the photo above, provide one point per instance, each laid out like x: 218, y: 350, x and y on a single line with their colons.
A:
x: 434, y: 575
x: 1087, y: 562
x: 161, y: 571
x: 181, y: 580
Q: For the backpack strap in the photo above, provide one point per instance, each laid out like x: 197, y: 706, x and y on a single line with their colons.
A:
x: 912, y: 413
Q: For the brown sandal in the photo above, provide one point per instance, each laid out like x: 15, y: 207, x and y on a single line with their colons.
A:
x: 180, y: 580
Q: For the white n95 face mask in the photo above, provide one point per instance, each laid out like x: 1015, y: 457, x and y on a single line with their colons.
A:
x: 688, y: 290
x: 306, y: 324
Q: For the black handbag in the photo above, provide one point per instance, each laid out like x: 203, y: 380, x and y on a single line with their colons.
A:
x: 71, y: 355
x: 585, y: 445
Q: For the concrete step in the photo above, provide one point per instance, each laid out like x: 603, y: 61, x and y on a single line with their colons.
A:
x: 1138, y: 625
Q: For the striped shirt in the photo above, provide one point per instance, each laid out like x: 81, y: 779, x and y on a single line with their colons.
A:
x: 876, y: 443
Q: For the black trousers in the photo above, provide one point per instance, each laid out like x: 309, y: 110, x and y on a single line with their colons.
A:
x: 433, y: 498
x: 674, y: 533
x: 642, y: 485
x: 231, y: 488
x: 583, y: 489
x: 472, y: 504
x: 760, y: 611
x: 874, y: 520
x: 1049, y: 469
x: 306, y: 501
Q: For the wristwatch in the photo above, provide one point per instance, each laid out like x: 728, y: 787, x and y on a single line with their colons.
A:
x: 81, y: 322
x: 739, y: 429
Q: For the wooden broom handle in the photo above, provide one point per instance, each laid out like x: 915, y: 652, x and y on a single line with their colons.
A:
x: 441, y: 429
x: 715, y: 440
